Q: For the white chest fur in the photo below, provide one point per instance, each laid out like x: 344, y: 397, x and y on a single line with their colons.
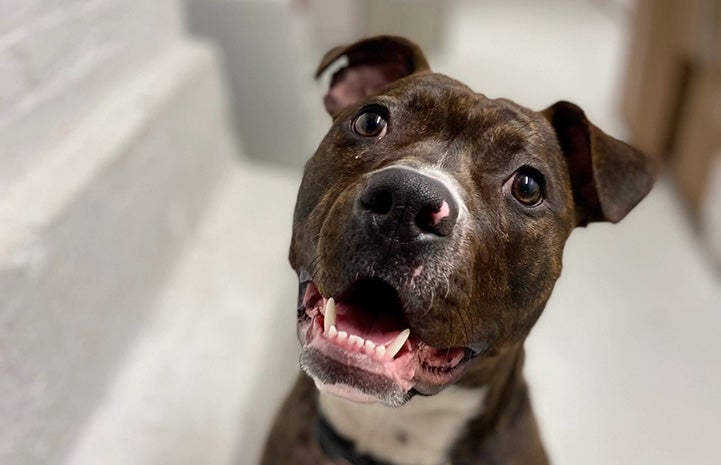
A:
x: 418, y: 433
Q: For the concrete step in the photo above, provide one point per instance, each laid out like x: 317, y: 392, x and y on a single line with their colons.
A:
x: 88, y: 234
x: 218, y: 352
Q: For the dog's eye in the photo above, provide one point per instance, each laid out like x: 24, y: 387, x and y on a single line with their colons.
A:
x: 370, y: 123
x: 527, y: 187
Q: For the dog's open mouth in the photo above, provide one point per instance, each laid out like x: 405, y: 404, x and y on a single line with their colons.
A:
x: 360, y: 346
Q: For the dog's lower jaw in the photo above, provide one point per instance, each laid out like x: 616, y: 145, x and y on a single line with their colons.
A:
x: 352, y: 383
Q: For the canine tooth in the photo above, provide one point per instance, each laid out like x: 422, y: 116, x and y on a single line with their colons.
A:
x: 381, y: 351
x: 329, y: 319
x: 394, y: 347
x: 370, y: 347
x: 332, y: 331
x: 342, y: 335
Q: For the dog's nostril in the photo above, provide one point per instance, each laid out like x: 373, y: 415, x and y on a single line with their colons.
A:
x: 435, y: 219
x: 379, y: 201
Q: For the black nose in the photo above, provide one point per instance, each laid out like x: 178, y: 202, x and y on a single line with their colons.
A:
x: 405, y: 205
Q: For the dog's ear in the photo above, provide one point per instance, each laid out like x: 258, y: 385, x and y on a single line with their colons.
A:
x: 608, y: 176
x: 372, y: 64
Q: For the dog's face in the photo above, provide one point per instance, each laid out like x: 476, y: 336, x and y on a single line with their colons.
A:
x: 430, y: 223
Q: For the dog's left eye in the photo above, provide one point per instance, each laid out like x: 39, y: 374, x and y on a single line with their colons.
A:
x: 370, y: 124
x: 527, y: 187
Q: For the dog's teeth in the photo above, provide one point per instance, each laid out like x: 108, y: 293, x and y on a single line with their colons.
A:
x: 354, y: 340
x: 381, y: 351
x: 394, y: 347
x: 370, y: 347
x: 332, y: 331
x: 329, y: 319
x: 342, y: 335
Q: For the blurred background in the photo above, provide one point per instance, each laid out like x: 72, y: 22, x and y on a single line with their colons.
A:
x: 150, y: 153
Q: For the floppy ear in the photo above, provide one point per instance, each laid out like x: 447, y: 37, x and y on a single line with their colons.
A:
x: 372, y: 64
x: 609, y: 177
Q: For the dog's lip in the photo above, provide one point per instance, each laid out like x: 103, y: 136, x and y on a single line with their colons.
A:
x: 412, y: 360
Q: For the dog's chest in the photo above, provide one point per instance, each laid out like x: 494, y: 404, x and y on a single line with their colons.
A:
x: 418, y: 433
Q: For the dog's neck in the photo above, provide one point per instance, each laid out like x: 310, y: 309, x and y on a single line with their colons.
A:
x: 395, y: 435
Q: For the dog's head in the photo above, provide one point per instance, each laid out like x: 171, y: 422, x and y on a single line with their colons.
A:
x: 430, y: 223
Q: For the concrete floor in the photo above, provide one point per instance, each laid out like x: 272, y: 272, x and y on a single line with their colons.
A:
x: 623, y: 366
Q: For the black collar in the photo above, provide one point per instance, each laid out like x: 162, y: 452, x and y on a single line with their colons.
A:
x: 336, y: 447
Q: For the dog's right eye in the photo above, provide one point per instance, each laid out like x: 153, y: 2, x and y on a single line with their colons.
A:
x: 370, y: 123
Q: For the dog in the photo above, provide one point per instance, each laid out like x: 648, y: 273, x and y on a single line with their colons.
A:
x: 427, y: 236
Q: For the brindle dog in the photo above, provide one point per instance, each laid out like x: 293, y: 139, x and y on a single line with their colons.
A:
x: 427, y: 236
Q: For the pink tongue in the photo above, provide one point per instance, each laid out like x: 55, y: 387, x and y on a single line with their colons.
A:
x: 381, y: 329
